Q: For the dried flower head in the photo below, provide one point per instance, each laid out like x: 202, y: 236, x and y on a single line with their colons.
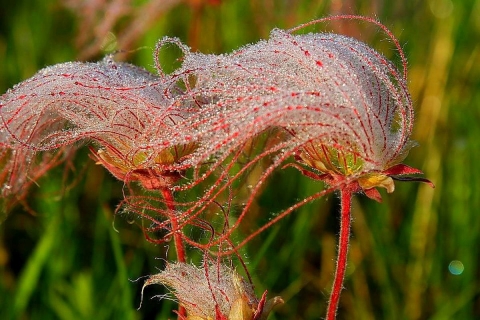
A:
x: 214, y: 292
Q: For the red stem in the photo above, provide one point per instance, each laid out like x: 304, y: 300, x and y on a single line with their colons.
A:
x: 177, y: 236
x: 345, y: 222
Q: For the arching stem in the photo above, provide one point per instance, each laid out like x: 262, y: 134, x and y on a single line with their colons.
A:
x: 177, y: 237
x: 345, y: 222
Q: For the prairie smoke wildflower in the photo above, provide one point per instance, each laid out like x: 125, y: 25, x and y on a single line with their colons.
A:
x: 127, y: 113
x: 345, y: 108
x: 214, y: 292
x: 123, y: 109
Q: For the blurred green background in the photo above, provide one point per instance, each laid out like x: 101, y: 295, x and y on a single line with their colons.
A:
x: 65, y: 255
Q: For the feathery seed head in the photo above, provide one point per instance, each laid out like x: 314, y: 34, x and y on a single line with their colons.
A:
x: 214, y: 292
x: 129, y: 113
x: 346, y: 107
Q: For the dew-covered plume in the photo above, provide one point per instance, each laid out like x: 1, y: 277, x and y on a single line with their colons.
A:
x: 343, y: 110
x: 126, y: 111
x: 328, y: 89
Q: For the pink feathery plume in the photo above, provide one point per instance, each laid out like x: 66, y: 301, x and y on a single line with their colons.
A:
x: 128, y: 113
x: 324, y: 87
x: 345, y: 108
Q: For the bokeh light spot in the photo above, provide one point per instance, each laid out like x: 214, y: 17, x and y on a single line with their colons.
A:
x: 456, y: 267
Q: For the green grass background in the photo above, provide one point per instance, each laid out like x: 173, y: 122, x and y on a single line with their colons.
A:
x: 69, y: 257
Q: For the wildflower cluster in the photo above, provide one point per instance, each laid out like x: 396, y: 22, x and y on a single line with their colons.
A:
x: 326, y: 104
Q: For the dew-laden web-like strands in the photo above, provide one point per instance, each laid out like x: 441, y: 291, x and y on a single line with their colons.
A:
x: 128, y: 113
x: 323, y: 87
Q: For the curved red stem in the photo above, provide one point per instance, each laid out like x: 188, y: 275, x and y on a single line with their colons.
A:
x: 345, y: 222
x: 177, y: 236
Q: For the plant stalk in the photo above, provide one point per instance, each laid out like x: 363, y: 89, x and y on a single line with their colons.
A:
x: 345, y: 224
x: 177, y: 237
